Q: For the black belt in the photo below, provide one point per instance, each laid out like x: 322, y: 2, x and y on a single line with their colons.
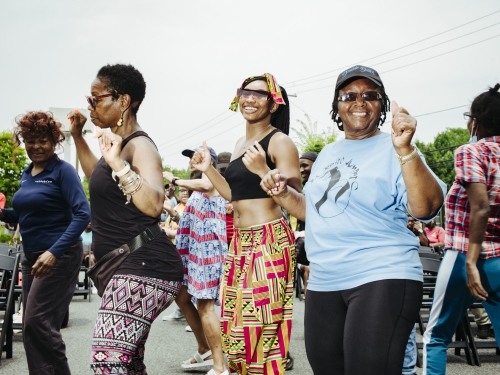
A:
x: 147, y: 235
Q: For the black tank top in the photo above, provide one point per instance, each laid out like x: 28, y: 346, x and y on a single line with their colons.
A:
x: 243, y: 183
x: 115, y: 223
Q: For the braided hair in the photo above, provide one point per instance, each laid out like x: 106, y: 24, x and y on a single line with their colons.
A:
x: 386, y: 107
x: 486, y: 110
x: 281, y: 118
x: 123, y: 79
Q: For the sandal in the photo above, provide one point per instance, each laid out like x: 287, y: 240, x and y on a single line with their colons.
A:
x: 200, y: 360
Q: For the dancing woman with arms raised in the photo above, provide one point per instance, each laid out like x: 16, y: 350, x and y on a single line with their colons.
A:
x: 258, y: 275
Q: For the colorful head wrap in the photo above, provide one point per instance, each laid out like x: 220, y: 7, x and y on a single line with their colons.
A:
x: 274, y: 90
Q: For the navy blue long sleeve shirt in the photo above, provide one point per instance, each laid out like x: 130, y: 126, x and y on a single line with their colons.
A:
x: 51, y: 208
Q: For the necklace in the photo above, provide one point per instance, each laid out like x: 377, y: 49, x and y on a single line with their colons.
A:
x: 254, y: 138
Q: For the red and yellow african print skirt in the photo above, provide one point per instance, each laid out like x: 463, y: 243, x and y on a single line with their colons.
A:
x: 257, y: 297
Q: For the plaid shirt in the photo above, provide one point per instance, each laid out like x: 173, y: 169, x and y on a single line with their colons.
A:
x: 476, y: 162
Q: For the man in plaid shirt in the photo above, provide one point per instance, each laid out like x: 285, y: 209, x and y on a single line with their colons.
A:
x: 470, y: 270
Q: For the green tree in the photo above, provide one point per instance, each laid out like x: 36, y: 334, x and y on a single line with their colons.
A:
x: 439, y: 153
x: 309, y: 137
x: 13, y: 160
x: 85, y: 184
x: 183, y: 174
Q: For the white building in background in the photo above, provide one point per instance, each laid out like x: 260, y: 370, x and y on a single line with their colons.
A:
x: 68, y: 152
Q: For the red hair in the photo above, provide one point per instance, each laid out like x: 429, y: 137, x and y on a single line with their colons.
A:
x: 37, y: 124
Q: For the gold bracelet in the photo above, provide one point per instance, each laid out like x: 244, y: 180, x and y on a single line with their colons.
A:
x: 405, y: 159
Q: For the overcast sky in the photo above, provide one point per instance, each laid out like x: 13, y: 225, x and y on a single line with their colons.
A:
x: 194, y: 54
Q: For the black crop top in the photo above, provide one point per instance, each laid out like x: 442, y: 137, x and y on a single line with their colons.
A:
x: 243, y: 183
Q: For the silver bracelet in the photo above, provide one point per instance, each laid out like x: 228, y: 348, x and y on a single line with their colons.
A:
x: 121, y: 172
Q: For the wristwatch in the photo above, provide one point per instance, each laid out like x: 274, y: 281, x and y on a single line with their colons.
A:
x: 173, y: 181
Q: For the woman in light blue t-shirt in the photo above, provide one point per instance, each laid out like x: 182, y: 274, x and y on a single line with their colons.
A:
x: 365, y: 284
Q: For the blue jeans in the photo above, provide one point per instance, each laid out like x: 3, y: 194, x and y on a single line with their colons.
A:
x: 410, y: 354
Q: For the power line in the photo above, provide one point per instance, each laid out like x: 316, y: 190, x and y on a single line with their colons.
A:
x: 441, y: 110
x: 439, y: 149
x: 167, y: 144
x: 207, y: 139
x: 443, y: 162
x: 394, y: 50
x: 417, y: 62
x: 408, y: 54
x: 216, y: 117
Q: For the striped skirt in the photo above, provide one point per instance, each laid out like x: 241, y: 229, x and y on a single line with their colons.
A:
x: 257, y: 298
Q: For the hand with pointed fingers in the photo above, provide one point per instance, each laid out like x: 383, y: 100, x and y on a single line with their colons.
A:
x: 274, y: 183
x: 255, y: 160
x: 76, y: 123
x: 403, y: 129
x: 110, y: 145
x: 201, y: 159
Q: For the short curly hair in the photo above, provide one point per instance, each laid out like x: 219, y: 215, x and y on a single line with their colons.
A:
x: 35, y: 124
x: 486, y: 110
x: 121, y: 79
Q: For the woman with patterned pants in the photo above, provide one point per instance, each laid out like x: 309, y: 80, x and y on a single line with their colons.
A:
x: 126, y: 192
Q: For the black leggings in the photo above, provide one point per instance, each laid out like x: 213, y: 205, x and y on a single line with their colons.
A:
x: 363, y: 330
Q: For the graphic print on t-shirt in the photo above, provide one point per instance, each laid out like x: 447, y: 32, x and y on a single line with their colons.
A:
x: 334, y: 185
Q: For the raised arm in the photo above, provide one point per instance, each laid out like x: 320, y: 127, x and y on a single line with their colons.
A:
x: 203, y: 184
x: 145, y: 161
x: 202, y: 161
x: 283, y: 183
x: 88, y: 161
x: 425, y: 196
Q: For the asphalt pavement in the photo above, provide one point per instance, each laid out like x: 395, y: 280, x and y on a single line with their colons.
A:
x: 169, y: 344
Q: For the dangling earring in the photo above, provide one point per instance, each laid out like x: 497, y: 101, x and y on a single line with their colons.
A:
x: 120, y: 121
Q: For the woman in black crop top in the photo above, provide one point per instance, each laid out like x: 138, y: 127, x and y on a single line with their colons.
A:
x: 257, y: 302
x: 120, y: 213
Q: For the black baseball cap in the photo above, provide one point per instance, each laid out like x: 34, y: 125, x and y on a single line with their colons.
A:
x: 358, y: 71
x: 189, y: 153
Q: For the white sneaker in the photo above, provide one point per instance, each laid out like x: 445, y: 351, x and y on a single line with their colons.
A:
x: 94, y: 290
x: 188, y: 329
x: 176, y: 315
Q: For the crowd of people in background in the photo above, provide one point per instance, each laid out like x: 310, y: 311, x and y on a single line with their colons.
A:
x: 348, y: 221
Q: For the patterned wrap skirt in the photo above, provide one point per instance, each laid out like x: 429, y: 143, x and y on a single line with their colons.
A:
x: 202, y: 243
x: 257, y: 298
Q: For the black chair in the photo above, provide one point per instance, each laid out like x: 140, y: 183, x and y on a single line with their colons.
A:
x: 9, y: 266
x: 5, y: 249
x: 464, y: 339
x: 428, y: 252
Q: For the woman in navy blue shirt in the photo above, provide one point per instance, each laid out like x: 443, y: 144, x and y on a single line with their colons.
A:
x: 52, y: 211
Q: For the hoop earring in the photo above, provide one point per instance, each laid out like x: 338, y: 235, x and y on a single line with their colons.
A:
x: 120, y: 121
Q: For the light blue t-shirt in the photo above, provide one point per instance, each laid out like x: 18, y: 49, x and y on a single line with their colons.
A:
x: 356, y: 217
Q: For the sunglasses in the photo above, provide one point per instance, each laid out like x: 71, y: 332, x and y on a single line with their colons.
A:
x: 257, y: 94
x: 368, y: 96
x: 467, y: 116
x: 93, y: 100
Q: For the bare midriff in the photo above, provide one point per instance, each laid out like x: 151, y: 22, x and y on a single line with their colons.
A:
x: 252, y: 212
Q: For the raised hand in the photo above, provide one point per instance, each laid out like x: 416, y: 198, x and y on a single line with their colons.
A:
x: 201, y: 159
x: 403, y: 129
x: 110, y: 145
x: 255, y: 160
x: 168, y: 176
x: 76, y: 123
x: 274, y: 183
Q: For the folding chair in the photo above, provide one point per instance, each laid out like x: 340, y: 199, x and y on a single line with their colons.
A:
x: 8, y: 266
x: 464, y: 339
